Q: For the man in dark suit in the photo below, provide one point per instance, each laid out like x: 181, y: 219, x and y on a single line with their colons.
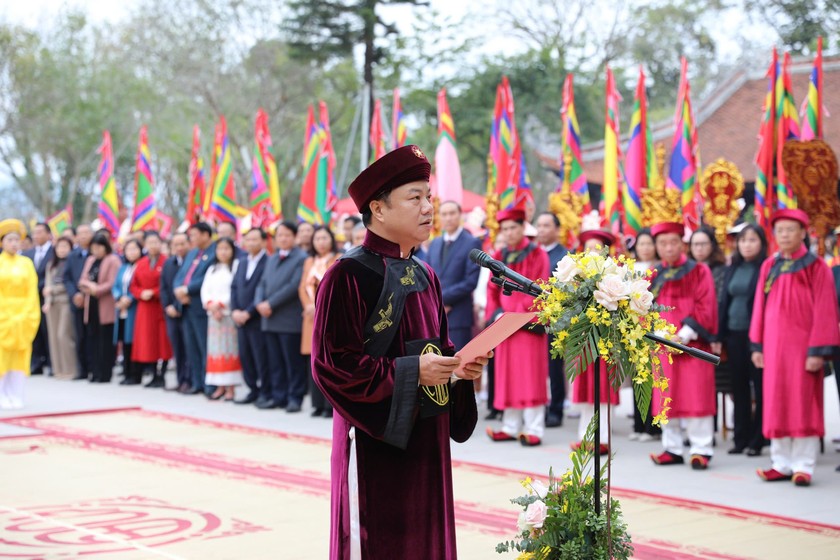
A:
x: 72, y: 275
x: 41, y: 254
x: 179, y: 246
x: 548, y: 235
x: 279, y: 306
x: 252, y: 348
x: 449, y: 256
x: 187, y: 291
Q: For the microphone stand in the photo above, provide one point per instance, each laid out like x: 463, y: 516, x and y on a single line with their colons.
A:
x: 509, y: 286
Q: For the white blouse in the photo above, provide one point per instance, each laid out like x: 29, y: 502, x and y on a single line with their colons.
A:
x: 216, y: 285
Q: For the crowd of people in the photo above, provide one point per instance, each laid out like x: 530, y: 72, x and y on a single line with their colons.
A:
x: 238, y: 309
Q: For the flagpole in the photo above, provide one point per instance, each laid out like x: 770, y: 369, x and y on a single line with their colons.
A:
x: 364, y: 153
x: 348, y: 150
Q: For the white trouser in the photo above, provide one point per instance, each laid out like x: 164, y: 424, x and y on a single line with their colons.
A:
x: 587, y: 412
x: 529, y: 421
x: 11, y: 389
x: 792, y: 455
x: 700, y: 431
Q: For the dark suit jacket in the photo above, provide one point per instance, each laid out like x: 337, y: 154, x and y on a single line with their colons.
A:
x: 197, y: 278
x: 243, y: 291
x: 279, y: 286
x: 73, y: 270
x: 167, y: 283
x: 41, y: 268
x: 555, y: 255
x: 458, y: 277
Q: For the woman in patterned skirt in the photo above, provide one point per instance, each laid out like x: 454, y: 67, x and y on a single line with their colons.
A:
x: 223, y: 367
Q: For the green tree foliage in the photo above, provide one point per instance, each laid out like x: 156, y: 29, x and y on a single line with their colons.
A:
x: 799, y: 22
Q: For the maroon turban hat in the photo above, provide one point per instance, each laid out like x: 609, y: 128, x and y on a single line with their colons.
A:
x: 790, y: 214
x: 394, y: 169
x: 510, y: 214
x: 667, y: 227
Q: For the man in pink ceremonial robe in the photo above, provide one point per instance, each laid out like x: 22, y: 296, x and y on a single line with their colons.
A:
x: 689, y: 289
x: 381, y: 354
x: 521, y: 363
x: 794, y: 329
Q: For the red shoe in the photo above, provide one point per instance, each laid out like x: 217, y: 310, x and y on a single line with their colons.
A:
x: 499, y: 436
x: 529, y: 441
x: 772, y: 475
x: 700, y: 462
x: 802, y: 479
x: 667, y: 458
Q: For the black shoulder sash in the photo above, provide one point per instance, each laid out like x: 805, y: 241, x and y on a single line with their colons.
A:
x: 669, y: 274
x: 787, y: 266
x: 514, y: 257
x: 401, y: 278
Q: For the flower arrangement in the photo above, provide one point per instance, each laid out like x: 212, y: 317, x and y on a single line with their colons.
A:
x: 558, y: 521
x: 598, y: 306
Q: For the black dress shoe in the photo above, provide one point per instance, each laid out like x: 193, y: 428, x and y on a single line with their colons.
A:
x: 194, y: 391
x: 265, y: 405
x: 328, y: 413
x: 736, y: 450
x: 317, y: 412
x: 293, y: 407
x: 493, y: 415
x: 80, y: 378
x: 155, y: 383
x: 130, y: 381
x: 251, y: 398
x: 553, y: 421
x: 754, y: 452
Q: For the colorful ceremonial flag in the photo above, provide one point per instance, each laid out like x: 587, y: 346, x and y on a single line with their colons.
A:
x: 377, y: 134
x: 318, y: 194
x: 195, y: 199
x: 682, y: 169
x: 400, y: 131
x: 61, y: 220
x: 223, y: 201
x: 505, y: 160
x: 109, y: 206
x: 787, y: 128
x: 812, y: 107
x: 143, y: 217
x: 164, y: 224
x: 265, y: 188
x: 447, y: 165
x: 571, y: 146
x: 612, y: 155
x: 765, y: 158
x: 635, y: 162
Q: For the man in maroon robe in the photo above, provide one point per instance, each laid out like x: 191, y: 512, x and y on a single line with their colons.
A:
x: 382, y: 356
x: 689, y: 289
x: 521, y: 363
x: 794, y: 329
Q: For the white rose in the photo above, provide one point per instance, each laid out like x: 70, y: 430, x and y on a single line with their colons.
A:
x: 610, y: 266
x: 611, y: 290
x: 535, y: 514
x: 640, y: 302
x: 566, y: 269
x: 639, y: 286
x: 539, y: 489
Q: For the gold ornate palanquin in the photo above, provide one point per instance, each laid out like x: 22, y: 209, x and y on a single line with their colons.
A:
x: 811, y: 168
x: 721, y: 186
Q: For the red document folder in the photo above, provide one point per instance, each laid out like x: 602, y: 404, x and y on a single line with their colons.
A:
x: 492, y: 336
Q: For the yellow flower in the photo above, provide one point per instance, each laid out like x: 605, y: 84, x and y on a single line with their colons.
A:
x: 526, y: 482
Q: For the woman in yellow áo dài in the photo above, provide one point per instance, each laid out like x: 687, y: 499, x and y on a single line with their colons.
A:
x: 20, y: 314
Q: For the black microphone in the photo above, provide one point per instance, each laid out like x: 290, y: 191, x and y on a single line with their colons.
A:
x: 498, y: 268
